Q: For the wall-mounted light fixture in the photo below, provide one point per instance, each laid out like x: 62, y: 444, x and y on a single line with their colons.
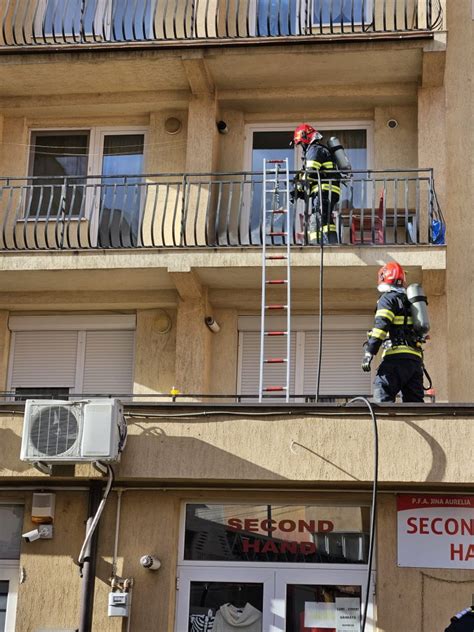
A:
x: 392, y: 123
x: 173, y: 125
x: 222, y: 127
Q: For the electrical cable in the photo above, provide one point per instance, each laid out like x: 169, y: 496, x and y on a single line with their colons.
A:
x: 95, y: 520
x: 373, y: 512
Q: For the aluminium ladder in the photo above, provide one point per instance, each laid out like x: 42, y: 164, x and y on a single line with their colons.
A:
x: 275, y: 205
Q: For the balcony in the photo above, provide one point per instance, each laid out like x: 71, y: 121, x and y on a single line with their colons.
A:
x: 218, y: 210
x: 73, y: 23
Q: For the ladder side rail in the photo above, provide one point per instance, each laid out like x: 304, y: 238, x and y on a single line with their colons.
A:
x: 288, y: 277
x: 264, y: 281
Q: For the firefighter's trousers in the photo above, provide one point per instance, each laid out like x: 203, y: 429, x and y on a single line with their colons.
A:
x: 322, y: 218
x: 396, y: 375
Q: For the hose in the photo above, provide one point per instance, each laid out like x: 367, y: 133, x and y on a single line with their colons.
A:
x: 373, y: 512
x: 98, y: 513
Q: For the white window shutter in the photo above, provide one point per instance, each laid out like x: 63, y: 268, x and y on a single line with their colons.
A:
x: 43, y: 358
x: 108, y: 364
x: 340, y: 367
x: 274, y: 374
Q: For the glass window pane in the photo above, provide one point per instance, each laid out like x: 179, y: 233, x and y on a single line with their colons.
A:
x: 132, y: 20
x: 337, y: 11
x: 277, y: 533
x: 318, y: 608
x: 73, y: 18
x: 3, y: 604
x: 122, y: 166
x: 225, y: 605
x: 11, y: 522
x: 59, y: 164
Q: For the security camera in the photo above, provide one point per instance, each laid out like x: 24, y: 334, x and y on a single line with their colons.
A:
x: 31, y: 536
x: 392, y: 123
x: 43, y: 532
x: 150, y: 562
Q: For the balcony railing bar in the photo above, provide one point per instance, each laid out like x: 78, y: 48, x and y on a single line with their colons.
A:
x: 32, y: 23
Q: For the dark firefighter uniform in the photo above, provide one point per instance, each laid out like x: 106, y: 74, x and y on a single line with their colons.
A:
x: 318, y: 159
x: 462, y: 622
x: 402, y: 360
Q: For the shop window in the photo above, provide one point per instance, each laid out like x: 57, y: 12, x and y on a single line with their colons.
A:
x: 55, y: 356
x: 11, y: 523
x: 322, y: 608
x: 307, y: 534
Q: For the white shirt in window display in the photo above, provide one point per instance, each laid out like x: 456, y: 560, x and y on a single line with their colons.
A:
x: 229, y: 618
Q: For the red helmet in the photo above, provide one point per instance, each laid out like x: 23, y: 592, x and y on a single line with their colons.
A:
x: 393, y: 274
x: 305, y: 134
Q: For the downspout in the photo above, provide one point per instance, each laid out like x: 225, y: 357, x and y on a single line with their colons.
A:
x: 90, y: 560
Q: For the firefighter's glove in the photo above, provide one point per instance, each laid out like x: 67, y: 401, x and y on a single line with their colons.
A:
x: 366, y: 361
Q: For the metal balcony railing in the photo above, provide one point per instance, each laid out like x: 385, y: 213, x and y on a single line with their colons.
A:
x: 28, y: 23
x: 207, y: 210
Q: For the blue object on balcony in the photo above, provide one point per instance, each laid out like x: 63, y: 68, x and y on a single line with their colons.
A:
x: 438, y: 232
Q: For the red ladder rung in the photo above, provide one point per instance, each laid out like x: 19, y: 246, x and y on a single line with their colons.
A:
x: 275, y: 360
x: 275, y: 257
x: 271, y: 389
x: 276, y: 306
x: 279, y: 211
x: 277, y: 282
x: 275, y: 162
x: 278, y: 233
x: 275, y: 333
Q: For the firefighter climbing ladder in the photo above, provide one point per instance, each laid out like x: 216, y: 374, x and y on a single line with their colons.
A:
x: 275, y: 205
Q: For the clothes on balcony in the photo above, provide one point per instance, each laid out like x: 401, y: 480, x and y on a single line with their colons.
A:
x: 401, y: 369
x: 317, y: 180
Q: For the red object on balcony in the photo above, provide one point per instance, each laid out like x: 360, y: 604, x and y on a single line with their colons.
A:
x: 366, y: 229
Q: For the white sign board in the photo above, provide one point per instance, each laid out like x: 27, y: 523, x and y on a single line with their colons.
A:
x: 319, y: 614
x: 347, y: 614
x: 435, y: 531
x: 341, y: 616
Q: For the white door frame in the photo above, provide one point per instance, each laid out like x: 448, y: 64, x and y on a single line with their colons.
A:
x: 275, y: 580
x: 9, y: 572
x: 223, y: 574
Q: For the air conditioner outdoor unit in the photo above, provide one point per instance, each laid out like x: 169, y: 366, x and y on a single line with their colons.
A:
x: 57, y: 431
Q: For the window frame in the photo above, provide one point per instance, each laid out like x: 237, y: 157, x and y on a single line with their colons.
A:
x: 79, y: 323
x: 95, y: 156
x: 299, y: 325
x: 10, y: 571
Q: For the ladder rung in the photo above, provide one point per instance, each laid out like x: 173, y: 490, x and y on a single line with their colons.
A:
x: 276, y: 306
x: 280, y: 211
x: 277, y: 282
x: 275, y: 257
x: 272, y: 389
x: 275, y: 360
x: 275, y: 333
x: 274, y: 162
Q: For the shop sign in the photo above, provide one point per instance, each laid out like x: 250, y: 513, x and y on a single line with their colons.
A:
x: 341, y: 616
x: 435, y: 531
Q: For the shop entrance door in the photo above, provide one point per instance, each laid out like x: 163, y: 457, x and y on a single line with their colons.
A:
x: 280, y: 599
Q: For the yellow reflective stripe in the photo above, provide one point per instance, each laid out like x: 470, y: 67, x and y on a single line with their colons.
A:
x: 329, y: 228
x: 378, y: 333
x: 313, y: 164
x: 332, y: 188
x: 402, y: 349
x: 329, y: 164
x: 400, y: 320
x: 385, y: 313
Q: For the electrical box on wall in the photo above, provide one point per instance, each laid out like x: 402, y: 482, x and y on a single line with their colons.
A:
x: 119, y: 604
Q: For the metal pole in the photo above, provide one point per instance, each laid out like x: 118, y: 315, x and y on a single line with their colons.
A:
x: 90, y: 559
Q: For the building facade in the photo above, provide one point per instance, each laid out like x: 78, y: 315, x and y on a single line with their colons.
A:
x: 132, y: 141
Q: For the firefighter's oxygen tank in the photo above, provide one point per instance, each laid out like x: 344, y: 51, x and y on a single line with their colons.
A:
x: 418, y: 308
x: 339, y: 154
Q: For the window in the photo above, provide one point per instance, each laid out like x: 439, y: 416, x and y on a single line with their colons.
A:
x: 89, y: 174
x: 56, y: 356
x: 274, y: 144
x: 11, y: 523
x: 341, y: 11
x: 341, y: 374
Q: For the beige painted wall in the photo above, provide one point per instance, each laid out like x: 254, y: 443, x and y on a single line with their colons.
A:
x: 395, y: 148
x: 406, y: 598
x: 460, y: 227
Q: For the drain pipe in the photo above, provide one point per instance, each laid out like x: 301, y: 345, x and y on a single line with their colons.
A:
x: 89, y: 563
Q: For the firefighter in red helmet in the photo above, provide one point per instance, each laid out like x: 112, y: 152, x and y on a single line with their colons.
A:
x: 401, y: 369
x: 318, y: 181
